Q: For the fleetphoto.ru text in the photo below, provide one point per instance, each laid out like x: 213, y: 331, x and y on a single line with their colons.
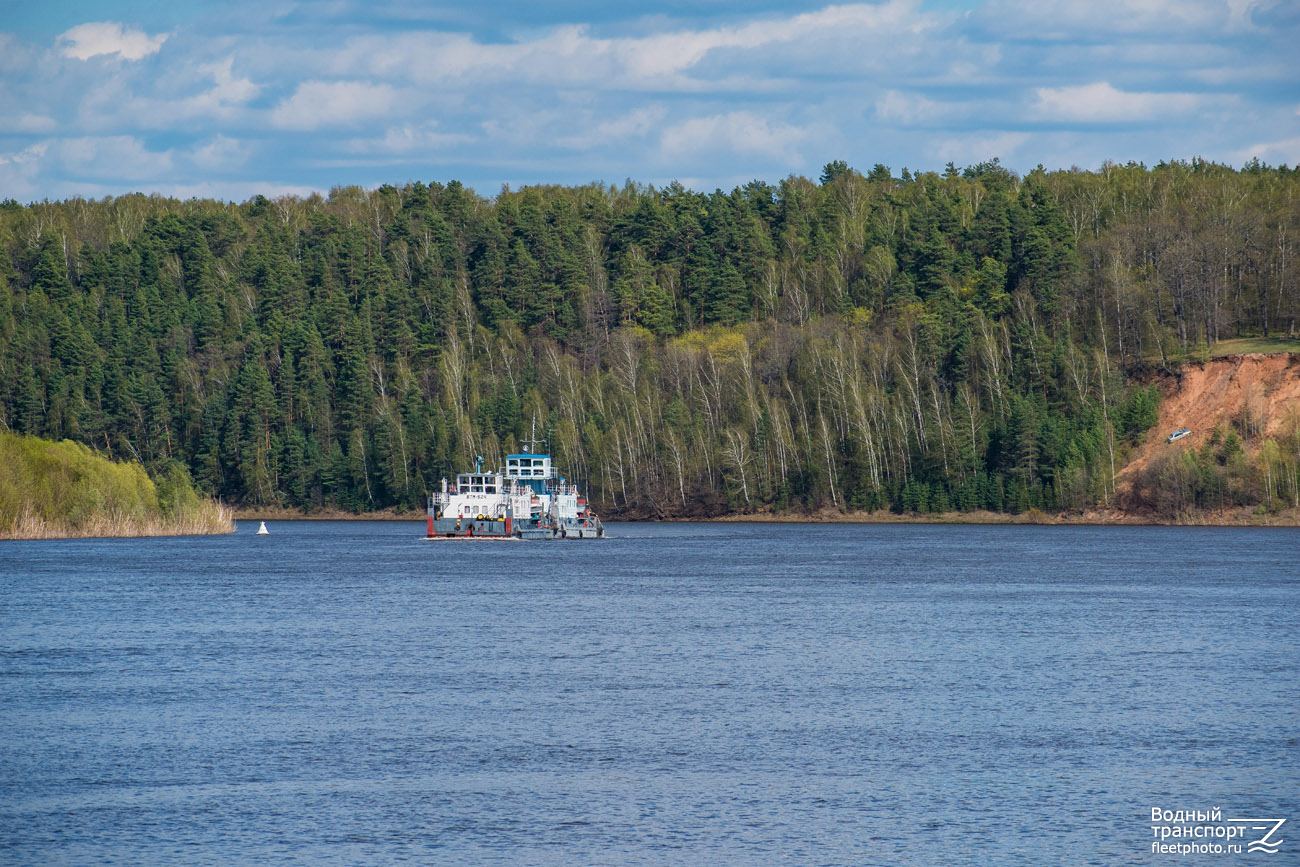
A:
x: 1207, y: 832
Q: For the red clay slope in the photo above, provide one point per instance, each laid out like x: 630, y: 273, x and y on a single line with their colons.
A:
x: 1204, y: 395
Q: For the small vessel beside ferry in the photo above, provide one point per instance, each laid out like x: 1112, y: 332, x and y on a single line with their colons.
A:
x: 525, y: 499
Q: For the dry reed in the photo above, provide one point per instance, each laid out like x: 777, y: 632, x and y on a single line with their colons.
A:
x: 65, y: 490
x: 209, y: 518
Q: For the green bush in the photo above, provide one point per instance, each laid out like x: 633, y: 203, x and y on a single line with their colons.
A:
x: 65, y: 488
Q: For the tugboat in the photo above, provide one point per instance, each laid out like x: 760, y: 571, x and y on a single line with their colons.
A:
x: 525, y: 499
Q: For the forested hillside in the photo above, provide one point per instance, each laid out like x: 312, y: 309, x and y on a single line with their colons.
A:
x: 963, y: 340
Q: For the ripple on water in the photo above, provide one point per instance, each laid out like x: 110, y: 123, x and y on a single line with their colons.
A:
x: 342, y: 693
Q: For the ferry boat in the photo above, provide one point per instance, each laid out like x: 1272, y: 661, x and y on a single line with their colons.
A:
x: 525, y: 499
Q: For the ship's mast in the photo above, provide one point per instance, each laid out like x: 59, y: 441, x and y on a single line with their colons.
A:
x: 533, y: 442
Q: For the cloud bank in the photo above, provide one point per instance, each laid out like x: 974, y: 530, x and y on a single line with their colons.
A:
x: 308, y: 96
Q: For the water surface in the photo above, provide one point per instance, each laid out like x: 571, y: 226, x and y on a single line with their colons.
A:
x: 346, y: 693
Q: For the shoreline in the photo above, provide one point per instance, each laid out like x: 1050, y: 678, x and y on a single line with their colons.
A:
x: 1243, y: 517
x: 1240, y: 517
x: 283, y: 514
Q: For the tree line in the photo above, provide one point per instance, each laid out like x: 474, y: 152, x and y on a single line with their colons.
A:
x: 965, y: 339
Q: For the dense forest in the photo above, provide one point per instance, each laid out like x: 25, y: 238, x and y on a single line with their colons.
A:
x: 969, y: 339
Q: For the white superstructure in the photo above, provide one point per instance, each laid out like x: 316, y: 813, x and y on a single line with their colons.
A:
x: 526, y: 498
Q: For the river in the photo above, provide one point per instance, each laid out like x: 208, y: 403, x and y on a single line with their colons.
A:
x: 347, y: 693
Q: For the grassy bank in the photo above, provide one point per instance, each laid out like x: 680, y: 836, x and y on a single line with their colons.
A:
x: 54, y: 490
x: 1254, y: 345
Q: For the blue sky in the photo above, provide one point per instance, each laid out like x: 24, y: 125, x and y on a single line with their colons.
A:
x: 282, y: 98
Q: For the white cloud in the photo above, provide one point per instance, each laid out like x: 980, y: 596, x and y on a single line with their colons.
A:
x: 981, y: 146
x: 26, y: 156
x: 1240, y: 11
x: 15, y: 57
x: 739, y: 132
x: 220, y: 154
x: 1274, y: 152
x: 192, y: 99
x: 1101, y: 103
x: 46, y: 167
x: 670, y: 53
x: 19, y: 172
x: 228, y: 89
x: 112, y: 165
x: 227, y: 94
x: 108, y: 37
x: 120, y: 157
x: 233, y: 191
x: 407, y: 140
x: 1068, y: 20
x: 835, y: 37
x: 636, y: 124
x: 37, y: 123
x: 912, y: 109
x: 526, y: 132
x: 1246, y: 73
x: 317, y: 104
x: 711, y: 95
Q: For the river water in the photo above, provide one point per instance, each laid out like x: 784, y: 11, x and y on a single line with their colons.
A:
x: 347, y: 693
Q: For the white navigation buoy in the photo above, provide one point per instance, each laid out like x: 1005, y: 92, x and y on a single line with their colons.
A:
x: 262, y: 531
